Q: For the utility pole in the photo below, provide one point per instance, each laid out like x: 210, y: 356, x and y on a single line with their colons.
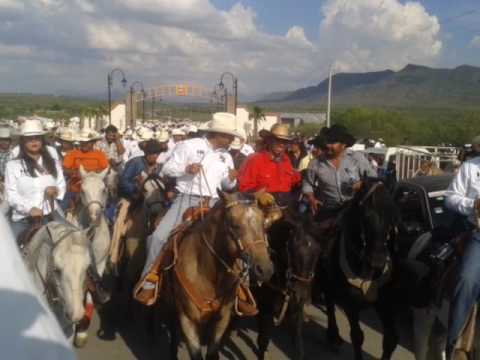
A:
x: 329, y: 101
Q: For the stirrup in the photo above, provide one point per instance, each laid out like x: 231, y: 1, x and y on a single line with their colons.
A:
x: 149, y: 296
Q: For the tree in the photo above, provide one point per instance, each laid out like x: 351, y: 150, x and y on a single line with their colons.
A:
x: 257, y: 115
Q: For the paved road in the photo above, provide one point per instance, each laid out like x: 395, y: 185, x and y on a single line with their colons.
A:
x: 131, y: 345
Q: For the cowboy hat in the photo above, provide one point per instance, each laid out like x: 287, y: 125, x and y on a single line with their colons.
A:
x: 87, y: 135
x: 32, y: 127
x: 143, y: 134
x: 66, y: 134
x: 279, y: 131
x: 318, y: 141
x: 162, y: 136
x: 5, y: 133
x: 223, y: 123
x: 178, y: 132
x: 338, y: 134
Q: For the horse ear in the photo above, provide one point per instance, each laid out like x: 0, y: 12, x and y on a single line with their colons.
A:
x: 104, y: 173
x: 82, y: 171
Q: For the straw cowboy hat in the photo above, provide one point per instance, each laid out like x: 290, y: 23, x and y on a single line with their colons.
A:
x: 223, y: 123
x: 32, y: 127
x: 66, y: 134
x: 162, y: 136
x: 144, y: 134
x: 87, y: 135
x: 178, y: 132
x: 5, y: 133
x: 278, y: 131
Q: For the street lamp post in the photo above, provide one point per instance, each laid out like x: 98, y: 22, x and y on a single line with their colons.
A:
x: 235, y: 88
x: 109, y: 86
x: 132, y: 91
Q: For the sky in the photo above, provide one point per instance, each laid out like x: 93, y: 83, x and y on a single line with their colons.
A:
x: 69, y: 46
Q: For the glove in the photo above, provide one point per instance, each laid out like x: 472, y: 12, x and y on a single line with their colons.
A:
x: 264, y: 198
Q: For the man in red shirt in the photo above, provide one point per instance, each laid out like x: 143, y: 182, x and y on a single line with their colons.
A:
x: 271, y: 169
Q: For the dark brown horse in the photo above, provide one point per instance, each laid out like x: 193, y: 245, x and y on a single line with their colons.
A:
x: 294, y: 251
x: 358, y: 272
x: 214, y: 257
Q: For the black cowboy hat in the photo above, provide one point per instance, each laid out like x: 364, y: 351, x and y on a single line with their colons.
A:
x: 318, y: 141
x: 152, y: 147
x: 338, y: 134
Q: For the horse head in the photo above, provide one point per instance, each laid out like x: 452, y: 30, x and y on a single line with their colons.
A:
x: 376, y: 220
x: 244, y: 223
x: 94, y: 194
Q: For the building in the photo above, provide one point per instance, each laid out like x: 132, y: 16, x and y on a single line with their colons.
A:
x: 297, y: 119
x: 245, y: 122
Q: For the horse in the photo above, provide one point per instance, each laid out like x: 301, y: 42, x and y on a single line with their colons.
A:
x: 215, y: 254
x: 58, y: 256
x: 88, y: 214
x: 358, y: 271
x: 295, y: 252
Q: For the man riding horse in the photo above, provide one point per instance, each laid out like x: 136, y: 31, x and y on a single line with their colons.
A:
x: 201, y: 166
x: 463, y: 197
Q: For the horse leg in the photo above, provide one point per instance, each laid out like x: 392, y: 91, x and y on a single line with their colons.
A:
x: 218, y: 334
x: 81, y: 330
x: 390, y: 336
x: 356, y: 333
x: 174, y: 337
x: 296, y: 327
x: 334, y: 340
x: 265, y: 326
x: 192, y: 337
x: 423, y: 320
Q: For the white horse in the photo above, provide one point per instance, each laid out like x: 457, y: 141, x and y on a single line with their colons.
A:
x: 58, y: 257
x: 89, y: 215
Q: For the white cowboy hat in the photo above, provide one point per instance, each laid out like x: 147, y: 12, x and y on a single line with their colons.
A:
x: 178, y: 132
x: 162, y: 136
x: 5, y: 133
x: 144, y: 134
x: 66, y: 134
x: 32, y: 127
x: 86, y: 135
x: 223, y: 123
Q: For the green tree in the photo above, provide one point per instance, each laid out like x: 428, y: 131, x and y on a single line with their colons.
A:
x: 258, y: 116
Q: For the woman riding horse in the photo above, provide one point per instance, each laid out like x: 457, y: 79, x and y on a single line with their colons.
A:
x: 33, y: 180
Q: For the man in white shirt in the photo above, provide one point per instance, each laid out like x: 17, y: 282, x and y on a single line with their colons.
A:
x: 463, y: 196
x: 201, y: 166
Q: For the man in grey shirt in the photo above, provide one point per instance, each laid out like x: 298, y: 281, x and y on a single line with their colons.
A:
x: 335, y: 177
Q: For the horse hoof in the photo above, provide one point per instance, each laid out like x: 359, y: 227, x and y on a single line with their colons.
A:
x: 106, y: 335
x: 80, y: 340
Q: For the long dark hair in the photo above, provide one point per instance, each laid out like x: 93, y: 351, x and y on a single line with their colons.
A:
x: 31, y: 164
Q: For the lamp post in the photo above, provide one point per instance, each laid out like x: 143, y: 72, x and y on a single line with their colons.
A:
x: 109, y: 86
x: 235, y: 89
x: 132, y: 91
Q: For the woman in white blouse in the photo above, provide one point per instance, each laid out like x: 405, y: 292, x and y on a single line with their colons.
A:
x: 32, y: 178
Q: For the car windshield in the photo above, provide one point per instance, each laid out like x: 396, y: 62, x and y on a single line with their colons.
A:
x: 441, y: 216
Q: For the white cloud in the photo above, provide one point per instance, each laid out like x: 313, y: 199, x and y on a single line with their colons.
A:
x: 475, y: 42
x: 161, y: 41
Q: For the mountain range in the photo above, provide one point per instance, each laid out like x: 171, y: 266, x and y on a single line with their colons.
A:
x: 414, y: 85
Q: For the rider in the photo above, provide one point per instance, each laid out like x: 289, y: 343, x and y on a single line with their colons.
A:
x: 33, y: 180
x: 463, y: 197
x: 137, y: 169
x: 112, y: 146
x: 86, y: 156
x: 201, y: 166
x: 271, y: 169
x: 333, y: 178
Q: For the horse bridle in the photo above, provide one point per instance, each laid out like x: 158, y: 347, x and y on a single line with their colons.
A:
x: 244, y: 256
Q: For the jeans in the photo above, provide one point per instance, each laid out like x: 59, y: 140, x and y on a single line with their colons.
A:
x: 18, y: 227
x: 466, y: 292
x: 172, y: 219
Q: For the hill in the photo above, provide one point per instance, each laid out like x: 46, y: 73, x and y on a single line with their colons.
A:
x: 413, y: 86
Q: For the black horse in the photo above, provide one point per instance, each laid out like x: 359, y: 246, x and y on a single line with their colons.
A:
x: 356, y: 273
x: 294, y: 252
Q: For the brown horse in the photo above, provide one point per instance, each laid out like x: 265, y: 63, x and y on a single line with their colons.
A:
x: 214, y: 257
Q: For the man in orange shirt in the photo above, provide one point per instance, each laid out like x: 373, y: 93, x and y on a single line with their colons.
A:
x: 88, y: 157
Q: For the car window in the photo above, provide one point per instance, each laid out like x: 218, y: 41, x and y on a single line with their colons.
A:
x: 441, y: 216
x: 413, y: 215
